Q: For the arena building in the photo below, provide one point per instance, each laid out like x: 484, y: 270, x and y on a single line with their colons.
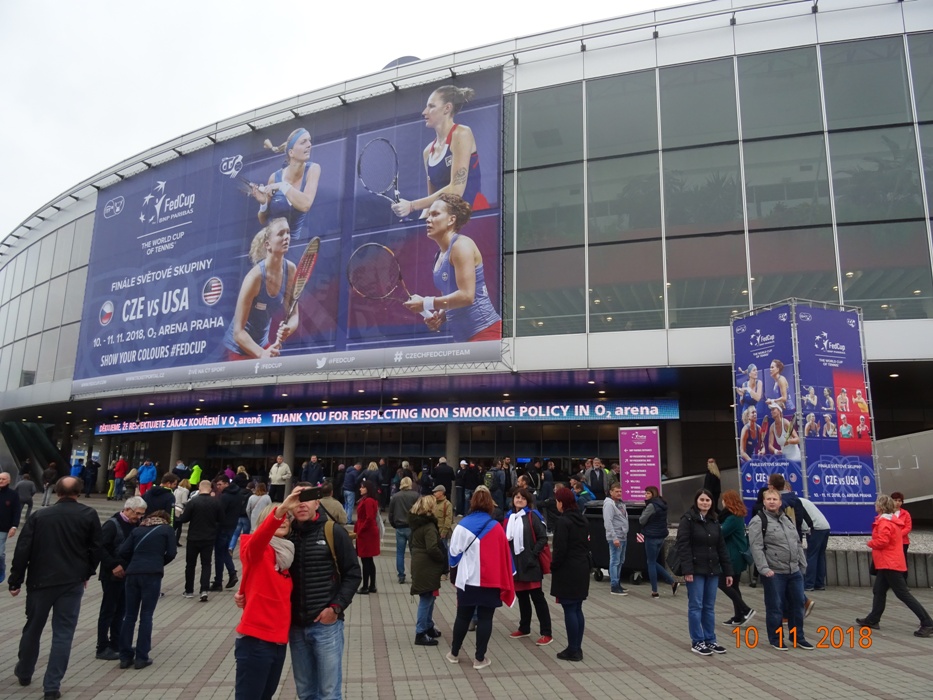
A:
x: 644, y: 180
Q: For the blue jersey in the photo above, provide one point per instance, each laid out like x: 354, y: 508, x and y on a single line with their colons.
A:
x: 260, y: 312
x: 467, y: 321
x: 280, y: 207
x: 439, y: 174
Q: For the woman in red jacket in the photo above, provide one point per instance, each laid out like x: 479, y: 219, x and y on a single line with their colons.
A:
x: 908, y: 523
x: 368, y: 539
x: 265, y: 596
x: 887, y: 552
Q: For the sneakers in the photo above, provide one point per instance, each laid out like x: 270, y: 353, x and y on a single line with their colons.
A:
x: 701, y: 649
x: 715, y: 648
x: 203, y: 596
x: 618, y: 590
x: 217, y: 586
x: 924, y: 632
x: 544, y: 641
x: 107, y: 654
x: 481, y: 664
x: 655, y: 594
x: 126, y: 663
x: 863, y: 622
x: 401, y: 580
x: 434, y: 633
x: 567, y: 655
x: 779, y: 647
x: 451, y: 658
x: 518, y: 634
x: 234, y: 579
x: 805, y: 645
x: 188, y: 594
x: 142, y: 663
x: 808, y: 606
x: 674, y: 587
x: 363, y: 591
x: 748, y: 616
x: 425, y: 640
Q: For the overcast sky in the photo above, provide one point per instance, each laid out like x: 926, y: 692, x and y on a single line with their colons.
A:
x: 85, y: 85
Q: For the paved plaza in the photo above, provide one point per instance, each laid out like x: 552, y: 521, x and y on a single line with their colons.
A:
x: 634, y: 647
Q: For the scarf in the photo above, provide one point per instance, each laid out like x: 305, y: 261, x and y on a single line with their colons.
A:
x: 153, y: 520
x: 515, y: 531
x: 284, y: 553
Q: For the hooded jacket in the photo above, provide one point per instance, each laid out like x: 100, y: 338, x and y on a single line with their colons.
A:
x: 570, y: 563
x: 887, y: 549
x: 428, y: 559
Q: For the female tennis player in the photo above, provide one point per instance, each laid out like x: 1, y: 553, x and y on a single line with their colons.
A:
x: 267, y: 288
x: 290, y: 191
x: 450, y: 161
x: 458, y: 274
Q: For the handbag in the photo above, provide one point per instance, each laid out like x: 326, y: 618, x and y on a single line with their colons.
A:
x: 544, y: 556
x: 673, y: 561
x: 747, y: 557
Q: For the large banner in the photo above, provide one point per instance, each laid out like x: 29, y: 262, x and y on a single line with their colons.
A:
x: 765, y: 387
x: 201, y: 262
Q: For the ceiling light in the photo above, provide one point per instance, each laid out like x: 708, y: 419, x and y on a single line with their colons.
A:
x: 395, y: 398
x: 323, y: 400
x: 99, y: 408
x: 609, y: 319
x: 850, y: 274
x: 602, y: 391
x: 361, y: 391
x: 284, y: 394
x: 894, y: 376
x: 201, y: 400
x: 592, y: 381
x: 505, y: 394
x: 246, y: 405
x: 540, y: 323
x: 917, y: 291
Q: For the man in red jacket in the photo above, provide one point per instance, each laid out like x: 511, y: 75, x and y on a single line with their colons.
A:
x: 120, y: 470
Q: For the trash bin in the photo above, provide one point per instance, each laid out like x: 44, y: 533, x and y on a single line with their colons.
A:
x: 599, y: 548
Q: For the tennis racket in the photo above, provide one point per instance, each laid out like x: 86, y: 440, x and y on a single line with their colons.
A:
x: 377, y: 169
x: 302, y: 274
x: 374, y: 273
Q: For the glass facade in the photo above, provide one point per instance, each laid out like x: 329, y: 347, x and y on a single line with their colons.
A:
x: 704, y: 189
x: 656, y: 199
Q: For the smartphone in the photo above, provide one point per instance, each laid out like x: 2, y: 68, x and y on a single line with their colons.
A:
x: 312, y: 494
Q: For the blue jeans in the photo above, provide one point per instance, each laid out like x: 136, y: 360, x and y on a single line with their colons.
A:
x: 222, y: 557
x: 118, y: 489
x: 653, y: 547
x: 575, y: 623
x: 402, y: 538
x: 425, y: 621
x: 701, y: 608
x: 242, y: 527
x: 3, y: 536
x: 816, y: 559
x: 317, y: 655
x: 349, y: 500
x: 142, y: 595
x: 64, y: 602
x: 258, y: 668
x: 616, y: 559
x: 467, y: 497
x: 778, y: 589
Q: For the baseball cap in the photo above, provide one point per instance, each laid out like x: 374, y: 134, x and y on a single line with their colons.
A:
x: 463, y: 463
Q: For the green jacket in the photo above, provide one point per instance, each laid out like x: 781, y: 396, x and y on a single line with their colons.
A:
x: 733, y: 532
x: 428, y: 559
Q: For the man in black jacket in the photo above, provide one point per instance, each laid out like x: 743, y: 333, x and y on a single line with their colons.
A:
x: 162, y: 497
x: 444, y: 476
x: 205, y: 515
x: 231, y: 498
x: 110, y: 619
x: 60, y: 547
x: 313, y: 471
x: 324, y: 580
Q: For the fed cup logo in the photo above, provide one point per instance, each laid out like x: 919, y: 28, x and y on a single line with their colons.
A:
x: 231, y: 166
x: 114, y: 207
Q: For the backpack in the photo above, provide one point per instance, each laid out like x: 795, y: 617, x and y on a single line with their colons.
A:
x: 489, y: 480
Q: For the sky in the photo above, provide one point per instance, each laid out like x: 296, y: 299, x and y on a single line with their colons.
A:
x: 87, y: 85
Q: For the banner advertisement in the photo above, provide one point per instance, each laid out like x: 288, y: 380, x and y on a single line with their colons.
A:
x: 659, y: 409
x: 835, y: 406
x: 317, y: 245
x: 765, y: 387
x: 639, y: 461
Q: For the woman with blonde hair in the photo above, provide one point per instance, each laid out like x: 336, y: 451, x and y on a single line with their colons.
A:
x: 428, y: 564
x: 267, y: 289
x: 290, y: 191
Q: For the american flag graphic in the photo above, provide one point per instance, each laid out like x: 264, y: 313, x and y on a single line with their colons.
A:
x: 213, y: 290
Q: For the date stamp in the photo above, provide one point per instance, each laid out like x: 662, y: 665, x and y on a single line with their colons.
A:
x: 830, y: 637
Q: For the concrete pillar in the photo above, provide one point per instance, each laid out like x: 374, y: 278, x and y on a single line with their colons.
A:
x: 675, y: 451
x: 288, y: 452
x: 452, y: 451
x: 175, y: 452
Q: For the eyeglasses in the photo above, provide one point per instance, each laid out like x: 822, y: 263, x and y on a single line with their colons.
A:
x: 140, y: 513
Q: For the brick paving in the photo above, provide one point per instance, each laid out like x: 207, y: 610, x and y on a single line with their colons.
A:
x: 634, y: 646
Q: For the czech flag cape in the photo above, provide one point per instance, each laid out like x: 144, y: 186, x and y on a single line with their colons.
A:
x: 480, y: 551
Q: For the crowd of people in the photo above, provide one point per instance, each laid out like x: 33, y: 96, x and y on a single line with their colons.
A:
x: 310, y: 553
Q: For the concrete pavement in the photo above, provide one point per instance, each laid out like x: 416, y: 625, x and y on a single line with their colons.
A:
x: 634, y: 647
